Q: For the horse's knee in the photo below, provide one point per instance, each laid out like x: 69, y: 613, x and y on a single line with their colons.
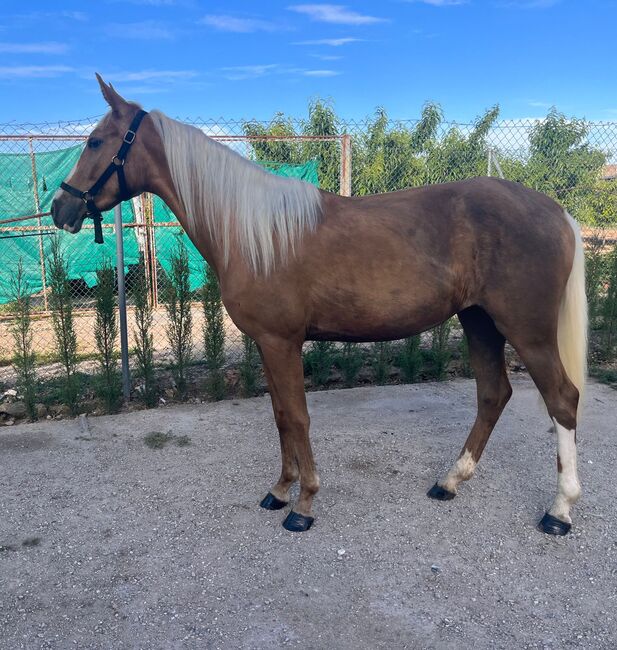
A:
x: 287, y: 421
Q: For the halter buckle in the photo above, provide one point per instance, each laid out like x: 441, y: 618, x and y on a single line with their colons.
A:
x: 129, y: 137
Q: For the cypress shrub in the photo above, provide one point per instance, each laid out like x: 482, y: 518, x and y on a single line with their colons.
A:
x: 180, y: 318
x: 61, y: 304
x: 213, y: 333
x: 24, y: 360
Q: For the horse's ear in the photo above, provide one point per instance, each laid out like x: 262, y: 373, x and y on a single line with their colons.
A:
x: 116, y: 101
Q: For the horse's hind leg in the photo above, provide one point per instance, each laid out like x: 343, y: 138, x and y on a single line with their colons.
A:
x: 486, y: 353
x: 283, y: 364
x: 561, y: 398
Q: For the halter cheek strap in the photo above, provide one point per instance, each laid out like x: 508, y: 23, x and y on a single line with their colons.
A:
x: 116, y: 166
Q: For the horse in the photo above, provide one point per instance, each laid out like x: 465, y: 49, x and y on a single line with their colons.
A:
x: 296, y: 263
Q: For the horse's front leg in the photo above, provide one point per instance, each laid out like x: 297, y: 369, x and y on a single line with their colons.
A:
x: 282, y: 361
x: 278, y: 497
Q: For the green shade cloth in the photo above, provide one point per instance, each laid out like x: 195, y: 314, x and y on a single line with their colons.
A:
x: 84, y: 257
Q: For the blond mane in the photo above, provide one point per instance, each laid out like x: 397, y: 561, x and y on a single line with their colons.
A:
x: 238, y: 201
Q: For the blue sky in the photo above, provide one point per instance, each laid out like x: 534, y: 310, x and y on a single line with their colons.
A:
x: 236, y: 59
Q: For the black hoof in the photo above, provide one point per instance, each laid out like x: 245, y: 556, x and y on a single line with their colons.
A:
x: 439, y: 493
x: 270, y: 502
x: 297, y: 523
x: 553, y: 526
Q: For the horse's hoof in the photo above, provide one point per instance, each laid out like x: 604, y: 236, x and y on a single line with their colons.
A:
x: 270, y: 502
x: 553, y: 526
x: 297, y: 523
x: 439, y: 493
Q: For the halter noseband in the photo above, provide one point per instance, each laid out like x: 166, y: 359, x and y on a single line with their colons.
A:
x: 115, y: 166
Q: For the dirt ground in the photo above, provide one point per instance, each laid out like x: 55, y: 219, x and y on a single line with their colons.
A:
x: 107, y: 543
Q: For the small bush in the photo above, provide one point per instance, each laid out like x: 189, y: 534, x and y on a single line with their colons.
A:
x: 463, y: 348
x: 604, y: 375
x: 249, y: 366
x: 108, y: 386
x: 595, y: 273
x: 609, y: 309
x: 21, y: 330
x: 180, y: 318
x: 440, y: 349
x: 142, y: 334
x: 350, y: 362
x: 382, y: 360
x: 213, y: 333
x: 61, y: 305
x: 410, y: 359
x: 318, y: 361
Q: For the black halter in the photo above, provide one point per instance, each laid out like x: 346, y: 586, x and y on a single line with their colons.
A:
x: 115, y: 166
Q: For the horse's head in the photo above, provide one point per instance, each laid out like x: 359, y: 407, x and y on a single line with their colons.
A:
x: 103, y: 175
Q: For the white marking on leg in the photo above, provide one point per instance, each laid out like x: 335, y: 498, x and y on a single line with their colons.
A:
x: 462, y: 470
x: 568, y: 486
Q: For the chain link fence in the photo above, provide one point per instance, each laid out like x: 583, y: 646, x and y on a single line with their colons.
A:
x: 573, y: 161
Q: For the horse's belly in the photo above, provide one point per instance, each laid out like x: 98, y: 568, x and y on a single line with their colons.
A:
x: 378, y: 318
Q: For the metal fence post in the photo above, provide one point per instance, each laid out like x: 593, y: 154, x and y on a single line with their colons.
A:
x: 124, y: 339
x: 37, y: 206
x: 345, y: 182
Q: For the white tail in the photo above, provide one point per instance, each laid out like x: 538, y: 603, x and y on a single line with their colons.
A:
x: 572, y: 327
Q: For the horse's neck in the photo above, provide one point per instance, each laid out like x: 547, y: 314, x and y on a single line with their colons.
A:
x: 164, y: 188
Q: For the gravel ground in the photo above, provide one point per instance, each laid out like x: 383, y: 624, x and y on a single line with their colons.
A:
x: 107, y: 543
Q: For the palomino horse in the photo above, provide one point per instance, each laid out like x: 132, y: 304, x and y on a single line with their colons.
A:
x: 296, y: 263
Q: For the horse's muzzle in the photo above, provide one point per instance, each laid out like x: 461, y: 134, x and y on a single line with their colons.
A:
x: 67, y: 212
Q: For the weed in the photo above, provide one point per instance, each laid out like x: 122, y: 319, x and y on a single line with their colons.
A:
x: 157, y: 439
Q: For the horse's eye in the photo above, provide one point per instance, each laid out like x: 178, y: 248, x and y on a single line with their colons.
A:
x: 94, y: 143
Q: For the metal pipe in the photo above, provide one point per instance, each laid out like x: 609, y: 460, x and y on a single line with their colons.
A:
x: 37, y: 206
x: 124, y: 339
